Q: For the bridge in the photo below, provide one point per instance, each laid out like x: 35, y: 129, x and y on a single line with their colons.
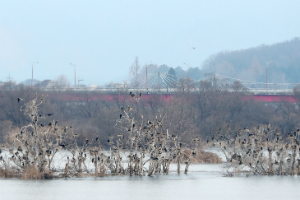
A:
x: 167, y: 86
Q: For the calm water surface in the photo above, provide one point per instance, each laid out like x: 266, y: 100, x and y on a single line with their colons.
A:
x: 204, y: 181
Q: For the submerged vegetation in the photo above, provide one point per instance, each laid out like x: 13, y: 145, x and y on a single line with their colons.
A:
x: 73, y: 134
x: 143, y: 147
x: 260, y: 150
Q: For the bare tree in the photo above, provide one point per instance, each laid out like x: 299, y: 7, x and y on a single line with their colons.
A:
x: 63, y: 81
x: 134, y: 73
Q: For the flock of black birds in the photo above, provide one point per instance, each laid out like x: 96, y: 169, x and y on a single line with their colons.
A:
x: 141, y: 149
x: 259, y: 150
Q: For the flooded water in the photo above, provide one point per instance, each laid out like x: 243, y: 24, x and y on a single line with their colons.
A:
x: 205, y: 181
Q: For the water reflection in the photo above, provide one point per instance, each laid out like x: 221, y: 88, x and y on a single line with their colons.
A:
x: 203, y: 182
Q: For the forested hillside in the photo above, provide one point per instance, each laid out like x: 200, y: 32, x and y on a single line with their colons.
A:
x: 250, y: 64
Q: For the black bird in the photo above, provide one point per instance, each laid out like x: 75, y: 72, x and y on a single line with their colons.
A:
x: 19, y: 99
x: 42, y: 125
x: 62, y: 145
x: 97, y: 138
x: 20, y: 148
x: 131, y: 94
x: 120, y: 116
x: 50, y: 124
x: 55, y: 123
x: 50, y: 114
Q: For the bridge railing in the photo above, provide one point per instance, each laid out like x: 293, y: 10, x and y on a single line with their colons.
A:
x: 253, y: 91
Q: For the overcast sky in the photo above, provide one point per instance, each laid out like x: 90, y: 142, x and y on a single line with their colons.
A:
x: 103, y: 37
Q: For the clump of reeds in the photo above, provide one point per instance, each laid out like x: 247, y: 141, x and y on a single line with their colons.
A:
x: 203, y: 156
x: 6, y: 172
x: 31, y: 172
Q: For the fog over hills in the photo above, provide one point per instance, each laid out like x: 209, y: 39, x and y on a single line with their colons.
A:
x: 247, y: 64
x: 250, y: 64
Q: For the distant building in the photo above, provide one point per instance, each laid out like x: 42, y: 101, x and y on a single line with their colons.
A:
x: 93, y: 86
x: 118, y: 85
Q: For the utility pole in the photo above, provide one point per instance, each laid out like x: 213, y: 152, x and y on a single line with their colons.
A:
x: 9, y: 78
x: 267, y: 75
x: 190, y: 59
x: 74, y: 74
x: 32, y: 73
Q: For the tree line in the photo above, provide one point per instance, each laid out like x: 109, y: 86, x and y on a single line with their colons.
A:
x: 188, y: 115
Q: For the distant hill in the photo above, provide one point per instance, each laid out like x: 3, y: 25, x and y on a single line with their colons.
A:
x: 27, y: 82
x: 250, y: 64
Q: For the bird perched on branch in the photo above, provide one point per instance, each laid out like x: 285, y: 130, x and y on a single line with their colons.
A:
x: 247, y: 130
x: 131, y: 94
x: 196, y: 140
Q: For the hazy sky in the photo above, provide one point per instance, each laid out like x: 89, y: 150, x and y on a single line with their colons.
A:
x: 103, y: 37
